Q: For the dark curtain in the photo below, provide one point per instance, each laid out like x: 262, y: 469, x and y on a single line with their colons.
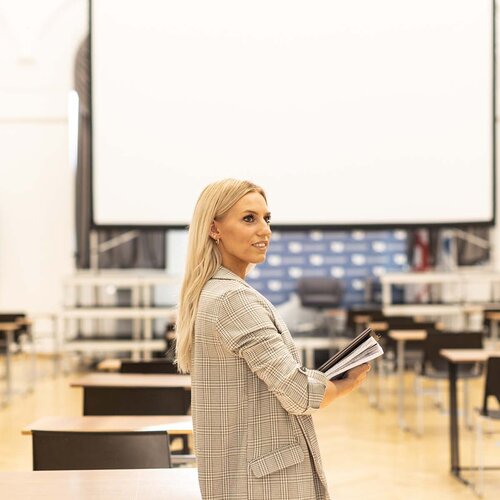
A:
x: 145, y: 251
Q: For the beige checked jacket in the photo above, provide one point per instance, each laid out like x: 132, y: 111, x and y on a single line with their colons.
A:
x: 252, y: 400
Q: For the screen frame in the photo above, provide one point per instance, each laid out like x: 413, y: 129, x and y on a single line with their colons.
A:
x: 307, y: 227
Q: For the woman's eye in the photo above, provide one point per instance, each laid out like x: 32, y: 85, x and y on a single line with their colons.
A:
x: 251, y: 218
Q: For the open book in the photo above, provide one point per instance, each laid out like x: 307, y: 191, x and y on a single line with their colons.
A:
x: 362, y: 349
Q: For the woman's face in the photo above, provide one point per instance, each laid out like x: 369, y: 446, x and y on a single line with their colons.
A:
x: 244, y: 233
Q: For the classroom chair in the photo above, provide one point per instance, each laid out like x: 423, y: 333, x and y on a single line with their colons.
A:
x: 434, y: 367
x: 152, y: 366
x: 59, y: 450
x: 487, y: 414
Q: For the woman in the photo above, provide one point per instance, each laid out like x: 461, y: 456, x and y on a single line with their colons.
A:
x: 251, y: 398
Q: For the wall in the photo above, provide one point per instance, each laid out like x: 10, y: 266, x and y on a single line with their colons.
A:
x: 38, y: 40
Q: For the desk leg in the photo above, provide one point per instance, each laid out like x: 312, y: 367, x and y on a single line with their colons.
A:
x: 454, y: 452
x: 136, y: 322
x: 8, y: 367
x: 494, y: 332
x: 148, y: 335
x: 401, y: 379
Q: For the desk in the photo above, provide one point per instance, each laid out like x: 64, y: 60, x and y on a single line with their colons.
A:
x: 174, y: 425
x: 307, y: 346
x: 360, y: 321
x: 132, y: 380
x: 401, y: 336
x: 454, y: 358
x: 134, y: 394
x: 146, y: 484
x: 8, y: 329
x: 494, y: 318
x: 109, y: 365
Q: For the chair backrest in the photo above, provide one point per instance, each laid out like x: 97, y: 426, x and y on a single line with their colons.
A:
x: 58, y: 450
x: 437, y: 340
x: 486, y: 320
x: 320, y: 292
x: 136, y: 401
x: 375, y: 313
x: 153, y: 366
x: 492, y: 383
x: 11, y: 318
x: 408, y: 323
x: 401, y: 323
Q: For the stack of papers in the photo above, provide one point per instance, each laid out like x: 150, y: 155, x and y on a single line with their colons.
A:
x: 362, y: 349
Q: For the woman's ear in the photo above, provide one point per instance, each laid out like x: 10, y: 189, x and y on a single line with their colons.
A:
x: 214, y: 232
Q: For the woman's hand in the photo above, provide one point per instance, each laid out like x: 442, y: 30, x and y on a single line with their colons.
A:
x: 337, y: 388
x: 356, y: 376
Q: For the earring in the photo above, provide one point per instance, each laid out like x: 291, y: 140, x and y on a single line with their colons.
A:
x: 217, y: 242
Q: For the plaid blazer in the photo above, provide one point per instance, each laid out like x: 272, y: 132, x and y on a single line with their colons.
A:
x: 252, y: 400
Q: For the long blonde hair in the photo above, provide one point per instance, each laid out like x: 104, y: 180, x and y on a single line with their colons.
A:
x: 203, y: 257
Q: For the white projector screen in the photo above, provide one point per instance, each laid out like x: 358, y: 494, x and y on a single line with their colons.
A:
x: 347, y: 113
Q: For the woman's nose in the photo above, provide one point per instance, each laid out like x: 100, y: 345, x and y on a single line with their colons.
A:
x: 265, y: 230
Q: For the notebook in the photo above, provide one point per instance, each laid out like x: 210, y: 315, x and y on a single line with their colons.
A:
x: 362, y: 349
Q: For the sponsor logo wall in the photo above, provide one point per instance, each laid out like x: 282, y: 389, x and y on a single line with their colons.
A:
x: 356, y: 258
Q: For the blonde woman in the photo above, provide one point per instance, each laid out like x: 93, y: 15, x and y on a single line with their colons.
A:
x: 251, y: 398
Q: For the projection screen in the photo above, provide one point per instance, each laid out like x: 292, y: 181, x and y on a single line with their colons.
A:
x: 347, y: 113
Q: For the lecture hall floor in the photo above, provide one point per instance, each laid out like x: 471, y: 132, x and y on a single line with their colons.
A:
x: 365, y: 455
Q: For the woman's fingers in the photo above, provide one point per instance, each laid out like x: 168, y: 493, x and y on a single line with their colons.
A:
x: 359, y: 370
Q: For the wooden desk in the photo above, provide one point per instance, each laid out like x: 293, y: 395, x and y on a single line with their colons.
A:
x: 134, y: 394
x: 132, y: 380
x: 172, y: 424
x: 146, y: 484
x: 150, y: 366
x: 494, y: 318
x: 401, y: 336
x: 109, y: 365
x: 8, y: 329
x: 361, y: 319
x: 378, y: 326
x: 456, y: 357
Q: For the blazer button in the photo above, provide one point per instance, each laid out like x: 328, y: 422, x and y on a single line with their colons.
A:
x: 303, y: 369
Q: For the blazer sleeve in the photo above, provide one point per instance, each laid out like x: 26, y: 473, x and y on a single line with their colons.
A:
x: 246, y: 328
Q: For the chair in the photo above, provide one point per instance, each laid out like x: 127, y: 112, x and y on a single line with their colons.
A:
x: 153, y: 366
x: 487, y: 322
x: 435, y: 367
x: 59, y: 450
x: 158, y: 366
x: 136, y: 401
x: 22, y: 335
x: 320, y: 292
x: 352, y: 325
x: 317, y: 294
x: 139, y: 401
x: 387, y: 364
x: 18, y: 333
x: 486, y: 413
x: 413, y: 348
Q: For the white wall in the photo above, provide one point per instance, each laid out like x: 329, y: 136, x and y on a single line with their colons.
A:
x: 38, y: 41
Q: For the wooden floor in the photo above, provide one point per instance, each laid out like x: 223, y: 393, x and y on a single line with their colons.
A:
x: 365, y: 455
